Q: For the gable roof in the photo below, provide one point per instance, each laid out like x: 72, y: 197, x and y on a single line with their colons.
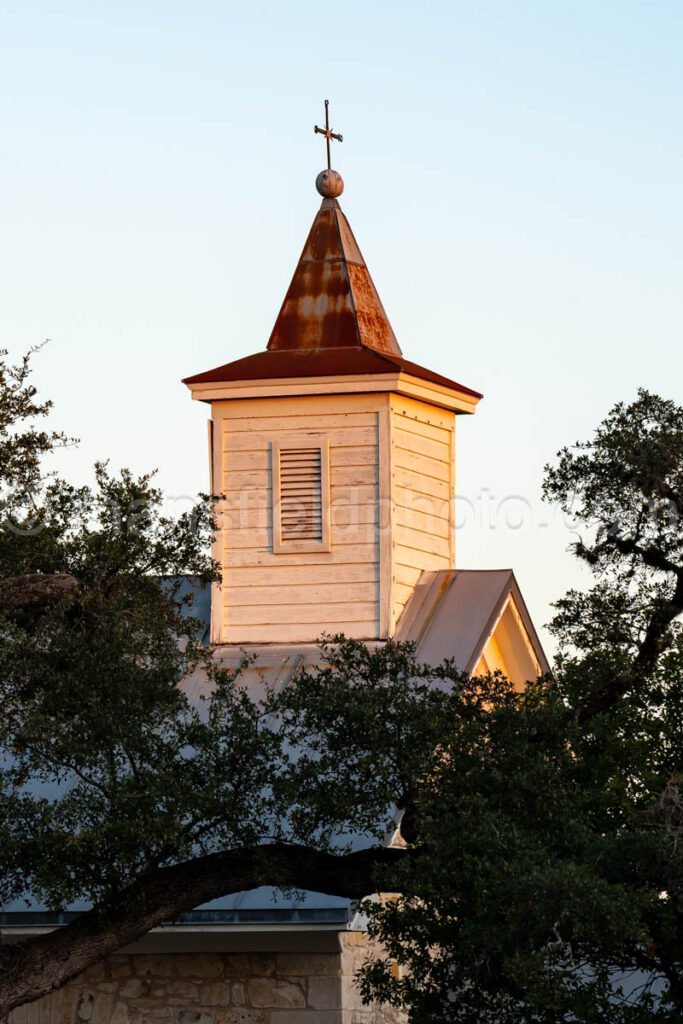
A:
x: 453, y: 613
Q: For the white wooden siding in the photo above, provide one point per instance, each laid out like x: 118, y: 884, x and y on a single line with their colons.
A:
x: 298, y: 596
x: 391, y: 515
x: 422, y: 483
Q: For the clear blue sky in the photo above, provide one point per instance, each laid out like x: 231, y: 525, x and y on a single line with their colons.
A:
x: 513, y: 175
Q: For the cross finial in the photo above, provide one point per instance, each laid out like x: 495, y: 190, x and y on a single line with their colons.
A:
x: 328, y: 134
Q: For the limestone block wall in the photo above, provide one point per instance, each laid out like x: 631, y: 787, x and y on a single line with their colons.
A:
x: 355, y: 949
x: 211, y: 988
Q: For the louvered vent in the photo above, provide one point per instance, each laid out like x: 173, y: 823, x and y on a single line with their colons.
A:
x: 301, y: 494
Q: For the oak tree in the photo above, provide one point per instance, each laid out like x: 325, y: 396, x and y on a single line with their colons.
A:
x: 116, y: 788
x: 541, y: 875
x: 549, y: 883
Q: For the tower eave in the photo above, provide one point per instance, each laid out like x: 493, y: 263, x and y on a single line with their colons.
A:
x: 289, y: 376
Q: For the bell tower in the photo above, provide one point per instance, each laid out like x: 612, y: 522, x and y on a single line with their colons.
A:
x: 333, y: 457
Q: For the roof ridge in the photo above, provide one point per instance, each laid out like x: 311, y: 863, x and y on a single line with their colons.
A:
x: 352, y: 298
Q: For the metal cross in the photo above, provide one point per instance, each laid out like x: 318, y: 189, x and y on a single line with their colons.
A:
x: 328, y: 134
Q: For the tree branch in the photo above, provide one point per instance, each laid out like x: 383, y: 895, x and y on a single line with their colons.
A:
x: 650, y: 556
x: 668, y: 492
x: 35, y: 590
x: 649, y: 650
x: 37, y: 966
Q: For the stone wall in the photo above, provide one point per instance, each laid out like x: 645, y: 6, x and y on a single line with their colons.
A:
x: 213, y: 988
x: 355, y: 949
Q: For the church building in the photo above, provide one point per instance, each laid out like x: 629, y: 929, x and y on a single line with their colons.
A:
x: 334, y: 458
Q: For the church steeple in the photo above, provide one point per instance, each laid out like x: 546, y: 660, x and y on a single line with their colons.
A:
x: 332, y: 301
x: 332, y: 321
x: 333, y: 456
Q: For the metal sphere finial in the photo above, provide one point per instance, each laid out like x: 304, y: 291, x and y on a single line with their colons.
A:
x: 329, y: 183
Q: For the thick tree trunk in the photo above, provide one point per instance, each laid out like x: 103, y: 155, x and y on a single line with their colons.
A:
x: 39, y: 965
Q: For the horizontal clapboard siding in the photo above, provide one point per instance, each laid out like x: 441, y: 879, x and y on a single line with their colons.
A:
x: 264, y: 576
x: 242, y: 558
x: 256, y: 461
x: 351, y: 521
x: 422, y: 475
x: 299, y: 595
x: 395, y: 505
x: 257, y: 535
x: 300, y: 632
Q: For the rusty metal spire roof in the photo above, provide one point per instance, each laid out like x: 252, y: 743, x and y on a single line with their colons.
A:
x: 332, y: 301
x: 332, y: 321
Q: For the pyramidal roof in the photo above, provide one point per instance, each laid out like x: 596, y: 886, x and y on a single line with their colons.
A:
x: 332, y: 301
x: 332, y: 321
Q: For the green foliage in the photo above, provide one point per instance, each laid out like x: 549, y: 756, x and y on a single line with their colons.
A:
x: 544, y: 883
x: 544, y: 865
x: 549, y: 887
x: 93, y: 714
x: 109, y: 770
x: 626, y: 486
x: 366, y: 726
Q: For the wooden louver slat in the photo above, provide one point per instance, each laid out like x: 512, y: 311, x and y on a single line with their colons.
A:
x: 301, y: 497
